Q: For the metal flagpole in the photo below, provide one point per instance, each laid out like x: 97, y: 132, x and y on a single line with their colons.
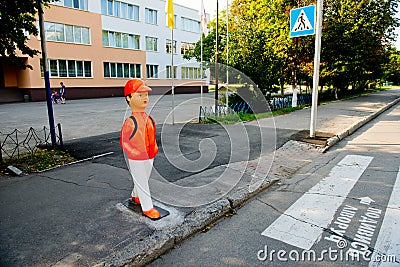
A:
x: 227, y: 53
x: 172, y: 72
x: 318, y: 33
x: 201, y: 65
x: 203, y: 20
x: 216, y: 66
x: 171, y: 25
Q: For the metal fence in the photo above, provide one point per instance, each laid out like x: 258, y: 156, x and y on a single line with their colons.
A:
x: 222, y: 110
x: 18, y: 143
x: 275, y: 103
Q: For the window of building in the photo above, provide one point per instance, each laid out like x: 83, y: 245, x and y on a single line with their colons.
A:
x: 87, y: 65
x: 53, y: 68
x: 169, y: 76
x: 78, y: 35
x: 133, y: 12
x: 70, y: 68
x: 120, y: 40
x: 190, y: 25
x: 66, y: 33
x: 78, y: 4
x: 186, y: 47
x: 124, y: 10
x: 192, y: 73
x: 135, y: 70
x: 117, y: 9
x: 59, y: 32
x: 110, y: 9
x: 62, y: 68
x: 122, y: 70
x: 133, y: 41
x: 126, y: 70
x: 119, y: 70
x: 151, y: 16
x: 85, y: 35
x: 104, y: 7
x: 111, y: 39
x: 168, y: 46
x: 151, y: 71
x: 151, y: 44
x: 79, y: 68
x: 120, y: 9
x: 125, y: 42
x: 69, y: 34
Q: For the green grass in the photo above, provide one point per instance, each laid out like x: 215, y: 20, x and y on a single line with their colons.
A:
x: 242, y: 117
x: 43, y: 159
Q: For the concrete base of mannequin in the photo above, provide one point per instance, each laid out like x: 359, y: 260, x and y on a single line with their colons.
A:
x: 136, y: 208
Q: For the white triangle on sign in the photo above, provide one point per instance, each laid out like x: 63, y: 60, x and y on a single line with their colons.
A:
x: 302, y: 23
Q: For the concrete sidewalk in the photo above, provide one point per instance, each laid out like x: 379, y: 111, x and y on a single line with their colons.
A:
x: 74, y: 216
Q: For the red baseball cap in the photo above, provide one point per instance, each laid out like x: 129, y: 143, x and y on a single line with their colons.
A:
x: 135, y: 85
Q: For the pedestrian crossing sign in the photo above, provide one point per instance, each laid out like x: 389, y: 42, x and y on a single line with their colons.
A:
x: 302, y: 21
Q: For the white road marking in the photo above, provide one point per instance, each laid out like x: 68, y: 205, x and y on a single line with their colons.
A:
x: 388, y: 242
x: 303, y: 222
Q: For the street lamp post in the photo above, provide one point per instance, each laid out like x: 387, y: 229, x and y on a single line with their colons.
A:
x: 46, y: 76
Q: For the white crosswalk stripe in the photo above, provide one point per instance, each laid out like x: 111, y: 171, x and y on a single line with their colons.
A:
x: 302, y: 224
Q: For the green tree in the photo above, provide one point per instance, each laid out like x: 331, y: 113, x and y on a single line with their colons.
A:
x: 356, y: 36
x: 355, y: 41
x: 259, y: 42
x: 392, y: 68
x: 17, y: 20
x: 252, y: 43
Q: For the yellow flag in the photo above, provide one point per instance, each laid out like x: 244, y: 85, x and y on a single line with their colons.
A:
x: 170, y: 14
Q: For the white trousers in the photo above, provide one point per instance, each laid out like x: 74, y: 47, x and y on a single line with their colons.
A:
x: 140, y: 171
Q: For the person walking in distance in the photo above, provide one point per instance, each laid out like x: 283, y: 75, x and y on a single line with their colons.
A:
x: 62, y: 93
x: 138, y: 141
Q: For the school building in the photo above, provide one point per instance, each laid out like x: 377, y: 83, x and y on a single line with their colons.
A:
x: 95, y: 46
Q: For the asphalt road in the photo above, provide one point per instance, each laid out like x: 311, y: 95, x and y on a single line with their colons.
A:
x: 190, y: 145
x: 342, y: 205
x: 91, y: 117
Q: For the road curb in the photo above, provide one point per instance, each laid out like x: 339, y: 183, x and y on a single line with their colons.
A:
x: 357, y: 125
x: 160, y: 241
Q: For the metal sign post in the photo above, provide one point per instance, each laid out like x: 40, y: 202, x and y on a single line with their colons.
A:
x: 313, y: 121
x: 303, y: 21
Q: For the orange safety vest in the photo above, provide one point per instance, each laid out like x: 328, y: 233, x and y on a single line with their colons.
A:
x: 138, y: 137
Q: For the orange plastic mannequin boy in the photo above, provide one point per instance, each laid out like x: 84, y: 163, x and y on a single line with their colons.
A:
x: 138, y: 142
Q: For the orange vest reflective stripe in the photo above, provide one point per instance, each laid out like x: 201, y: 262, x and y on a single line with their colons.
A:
x: 138, y: 137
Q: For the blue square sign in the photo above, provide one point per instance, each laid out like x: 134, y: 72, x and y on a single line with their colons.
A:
x: 302, y: 21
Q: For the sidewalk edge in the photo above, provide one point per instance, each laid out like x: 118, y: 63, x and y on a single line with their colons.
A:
x: 357, y: 125
x: 162, y: 241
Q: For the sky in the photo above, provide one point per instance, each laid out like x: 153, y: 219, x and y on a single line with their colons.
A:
x: 210, y: 7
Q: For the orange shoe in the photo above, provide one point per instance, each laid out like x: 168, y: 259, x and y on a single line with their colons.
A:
x: 136, y: 200
x: 152, y: 213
